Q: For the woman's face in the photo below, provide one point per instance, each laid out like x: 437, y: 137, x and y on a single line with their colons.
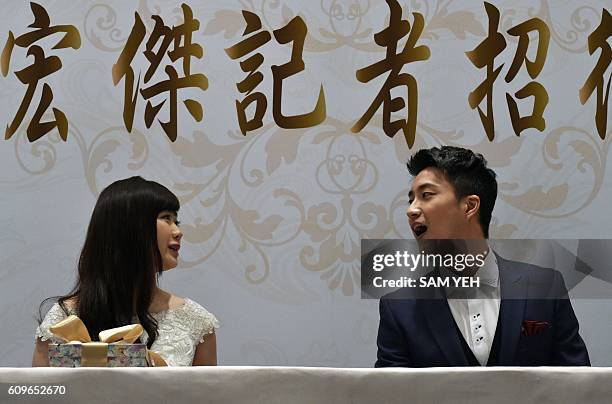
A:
x: 168, y: 238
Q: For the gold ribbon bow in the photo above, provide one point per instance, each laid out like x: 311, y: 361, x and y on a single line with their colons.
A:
x: 73, y: 331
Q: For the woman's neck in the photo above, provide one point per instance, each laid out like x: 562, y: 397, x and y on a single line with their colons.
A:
x: 163, y: 300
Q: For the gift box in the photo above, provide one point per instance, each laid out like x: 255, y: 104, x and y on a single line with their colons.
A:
x: 109, y: 355
x: 116, y: 349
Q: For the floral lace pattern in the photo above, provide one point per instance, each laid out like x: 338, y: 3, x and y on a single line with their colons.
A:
x: 180, y: 330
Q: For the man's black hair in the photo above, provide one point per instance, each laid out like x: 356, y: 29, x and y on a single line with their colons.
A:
x: 466, y: 171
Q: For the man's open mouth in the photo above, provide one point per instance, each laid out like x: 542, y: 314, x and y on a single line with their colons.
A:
x: 419, y: 230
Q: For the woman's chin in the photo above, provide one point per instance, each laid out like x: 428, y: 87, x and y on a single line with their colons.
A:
x: 169, y: 265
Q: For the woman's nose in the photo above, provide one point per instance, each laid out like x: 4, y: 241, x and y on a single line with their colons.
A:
x: 177, y: 233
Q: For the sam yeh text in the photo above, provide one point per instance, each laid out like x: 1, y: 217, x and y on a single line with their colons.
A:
x: 427, y: 282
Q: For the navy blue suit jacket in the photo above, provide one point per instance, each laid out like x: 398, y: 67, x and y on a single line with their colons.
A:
x: 422, y: 332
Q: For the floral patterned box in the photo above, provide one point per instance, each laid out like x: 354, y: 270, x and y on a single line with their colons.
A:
x: 119, y: 355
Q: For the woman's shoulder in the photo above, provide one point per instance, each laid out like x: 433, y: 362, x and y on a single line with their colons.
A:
x: 172, y: 312
x: 165, y: 301
x: 203, y: 320
x: 194, y: 308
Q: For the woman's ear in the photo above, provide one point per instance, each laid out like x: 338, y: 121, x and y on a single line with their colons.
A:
x: 472, y: 206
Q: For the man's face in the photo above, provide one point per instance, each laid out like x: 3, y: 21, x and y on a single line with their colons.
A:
x: 434, y: 212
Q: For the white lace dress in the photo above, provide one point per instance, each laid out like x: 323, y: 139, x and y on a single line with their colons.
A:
x: 180, y: 330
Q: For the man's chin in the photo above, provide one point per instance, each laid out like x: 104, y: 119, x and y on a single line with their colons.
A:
x: 440, y: 245
x: 427, y: 244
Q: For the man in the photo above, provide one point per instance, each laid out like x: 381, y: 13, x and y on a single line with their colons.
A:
x: 507, y: 322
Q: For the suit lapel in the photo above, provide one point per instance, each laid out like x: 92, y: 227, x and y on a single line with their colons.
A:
x: 511, y: 310
x: 442, y: 326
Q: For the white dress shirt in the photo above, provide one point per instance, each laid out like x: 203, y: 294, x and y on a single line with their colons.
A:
x: 476, y: 311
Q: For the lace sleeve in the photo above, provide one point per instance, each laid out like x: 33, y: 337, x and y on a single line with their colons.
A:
x: 206, y: 323
x: 54, y: 315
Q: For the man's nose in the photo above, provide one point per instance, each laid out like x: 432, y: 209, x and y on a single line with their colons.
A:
x: 413, y: 211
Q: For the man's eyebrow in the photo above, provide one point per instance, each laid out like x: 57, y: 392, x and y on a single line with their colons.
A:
x: 424, y: 185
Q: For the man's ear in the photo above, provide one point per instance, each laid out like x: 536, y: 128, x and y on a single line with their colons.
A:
x: 472, y: 206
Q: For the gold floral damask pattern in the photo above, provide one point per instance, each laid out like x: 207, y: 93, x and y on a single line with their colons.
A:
x: 333, y: 223
x: 343, y: 22
x: 101, y: 28
x: 582, y: 20
x: 346, y: 197
x: 39, y: 158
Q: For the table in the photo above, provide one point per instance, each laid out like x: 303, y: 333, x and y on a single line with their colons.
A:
x: 313, y: 385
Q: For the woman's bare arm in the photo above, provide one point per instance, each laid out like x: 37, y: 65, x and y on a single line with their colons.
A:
x: 41, y: 353
x: 206, y: 352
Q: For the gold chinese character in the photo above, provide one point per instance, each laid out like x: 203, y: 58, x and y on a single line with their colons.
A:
x: 158, y: 46
x: 295, y: 31
x: 598, y: 39
x: 393, y: 63
x: 533, y: 88
x: 484, y: 55
x: 250, y: 66
x: 40, y: 68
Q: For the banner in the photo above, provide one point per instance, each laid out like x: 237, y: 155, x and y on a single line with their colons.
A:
x: 284, y: 128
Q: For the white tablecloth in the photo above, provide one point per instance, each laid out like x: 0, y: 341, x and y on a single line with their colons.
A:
x: 314, y: 385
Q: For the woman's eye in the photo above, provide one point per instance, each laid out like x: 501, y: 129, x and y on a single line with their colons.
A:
x: 167, y: 218
x: 177, y: 222
x: 427, y: 194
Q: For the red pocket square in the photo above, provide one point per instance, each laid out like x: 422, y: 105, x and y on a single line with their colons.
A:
x: 533, y: 327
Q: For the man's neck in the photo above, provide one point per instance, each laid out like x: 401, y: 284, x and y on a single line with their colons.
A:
x: 475, y: 248
x: 478, y: 249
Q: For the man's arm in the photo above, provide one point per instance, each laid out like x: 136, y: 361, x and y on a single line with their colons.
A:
x: 569, y: 348
x: 392, y: 344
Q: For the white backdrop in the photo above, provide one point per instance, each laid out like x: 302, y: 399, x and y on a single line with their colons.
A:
x: 273, y: 220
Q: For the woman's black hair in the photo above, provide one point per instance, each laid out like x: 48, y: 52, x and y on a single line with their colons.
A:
x: 120, y: 260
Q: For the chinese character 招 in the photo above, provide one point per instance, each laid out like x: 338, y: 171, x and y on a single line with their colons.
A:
x: 484, y: 55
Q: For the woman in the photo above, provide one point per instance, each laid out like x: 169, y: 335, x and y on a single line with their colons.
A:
x: 133, y: 236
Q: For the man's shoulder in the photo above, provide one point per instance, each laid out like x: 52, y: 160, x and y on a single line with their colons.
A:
x: 528, y: 270
x: 542, y: 282
x: 403, y: 297
x: 412, y: 300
